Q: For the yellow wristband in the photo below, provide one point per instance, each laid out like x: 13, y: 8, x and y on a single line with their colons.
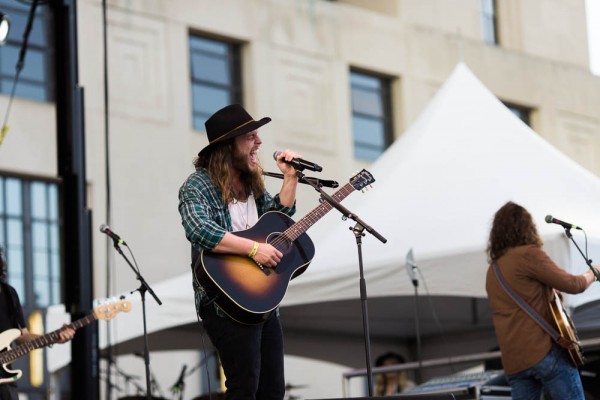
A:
x: 254, y: 250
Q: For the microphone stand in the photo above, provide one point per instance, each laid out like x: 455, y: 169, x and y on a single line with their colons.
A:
x: 415, y: 283
x: 358, y: 230
x: 179, y: 386
x: 306, y: 179
x: 144, y: 287
x: 587, y: 261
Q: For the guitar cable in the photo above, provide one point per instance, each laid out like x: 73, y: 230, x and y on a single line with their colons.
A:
x: 204, y: 356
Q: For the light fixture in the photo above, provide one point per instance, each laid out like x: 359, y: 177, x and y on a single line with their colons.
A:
x: 4, y: 28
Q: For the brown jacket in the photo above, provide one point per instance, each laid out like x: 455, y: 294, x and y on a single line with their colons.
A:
x: 532, y: 275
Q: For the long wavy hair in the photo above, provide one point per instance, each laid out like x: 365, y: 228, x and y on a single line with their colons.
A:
x: 219, y: 164
x: 513, y: 226
x: 3, y: 267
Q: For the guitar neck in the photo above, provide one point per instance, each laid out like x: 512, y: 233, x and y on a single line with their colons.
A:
x: 294, y: 231
x: 43, y: 341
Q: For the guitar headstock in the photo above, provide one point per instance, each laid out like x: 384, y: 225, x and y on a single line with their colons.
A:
x: 361, y: 180
x: 108, y: 311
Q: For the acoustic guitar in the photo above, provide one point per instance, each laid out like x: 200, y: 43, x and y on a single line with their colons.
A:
x: 249, y: 292
x: 8, y: 355
x: 566, y: 330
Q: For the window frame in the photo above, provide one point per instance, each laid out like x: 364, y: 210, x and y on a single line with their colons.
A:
x: 46, y: 83
x: 487, y: 19
x: 27, y: 220
x: 385, y: 99
x: 234, y: 87
x: 523, y: 110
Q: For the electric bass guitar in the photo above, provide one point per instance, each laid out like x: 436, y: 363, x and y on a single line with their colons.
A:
x: 566, y: 330
x: 249, y: 292
x: 8, y: 354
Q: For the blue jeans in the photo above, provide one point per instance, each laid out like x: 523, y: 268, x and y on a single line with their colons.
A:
x: 555, y: 375
x: 251, y: 355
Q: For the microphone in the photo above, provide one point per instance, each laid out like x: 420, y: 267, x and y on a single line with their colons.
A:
x: 299, y: 163
x: 566, y: 225
x: 106, y: 230
x: 411, y: 268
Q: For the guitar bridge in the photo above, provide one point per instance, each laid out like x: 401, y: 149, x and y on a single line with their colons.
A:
x: 266, y: 271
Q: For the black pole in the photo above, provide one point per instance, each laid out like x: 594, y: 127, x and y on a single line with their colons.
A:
x: 109, y: 264
x: 358, y: 233
x: 77, y: 272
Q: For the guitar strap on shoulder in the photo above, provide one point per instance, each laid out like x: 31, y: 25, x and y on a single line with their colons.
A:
x: 560, y: 340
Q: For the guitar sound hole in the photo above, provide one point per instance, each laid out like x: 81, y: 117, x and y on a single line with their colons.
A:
x: 280, y: 242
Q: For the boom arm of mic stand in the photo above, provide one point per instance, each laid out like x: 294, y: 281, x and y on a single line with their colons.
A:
x: 320, y: 182
x: 587, y: 261
x: 345, y: 212
x: 144, y: 285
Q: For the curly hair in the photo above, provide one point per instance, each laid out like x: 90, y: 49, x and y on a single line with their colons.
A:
x: 218, y: 163
x: 3, y: 266
x: 513, y: 226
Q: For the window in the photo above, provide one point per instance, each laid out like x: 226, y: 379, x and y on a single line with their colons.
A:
x: 371, y: 114
x: 489, y: 22
x: 35, y: 81
x: 523, y: 113
x: 29, y: 233
x: 216, y: 77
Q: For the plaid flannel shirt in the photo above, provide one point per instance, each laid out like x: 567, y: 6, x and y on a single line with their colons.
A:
x: 206, y: 219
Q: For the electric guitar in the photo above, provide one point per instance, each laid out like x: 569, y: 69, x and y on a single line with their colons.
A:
x: 249, y: 292
x: 566, y: 330
x: 8, y: 354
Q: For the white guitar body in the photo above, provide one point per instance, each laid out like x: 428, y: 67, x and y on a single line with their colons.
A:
x: 6, y: 338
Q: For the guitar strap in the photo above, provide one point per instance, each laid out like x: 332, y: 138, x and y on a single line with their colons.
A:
x: 560, y: 340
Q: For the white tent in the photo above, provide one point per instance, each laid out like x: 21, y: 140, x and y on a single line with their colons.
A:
x: 436, y: 192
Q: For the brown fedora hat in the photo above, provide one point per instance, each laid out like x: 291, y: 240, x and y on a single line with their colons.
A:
x: 229, y: 122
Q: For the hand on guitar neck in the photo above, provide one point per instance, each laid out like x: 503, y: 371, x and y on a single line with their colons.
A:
x: 66, y: 333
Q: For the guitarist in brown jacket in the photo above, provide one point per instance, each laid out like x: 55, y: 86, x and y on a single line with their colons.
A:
x: 532, y: 361
x: 11, y: 316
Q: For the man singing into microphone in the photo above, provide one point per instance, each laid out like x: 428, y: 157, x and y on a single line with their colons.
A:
x: 532, y: 361
x: 226, y: 193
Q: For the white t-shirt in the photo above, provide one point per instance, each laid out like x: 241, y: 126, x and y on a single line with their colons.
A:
x: 243, y: 213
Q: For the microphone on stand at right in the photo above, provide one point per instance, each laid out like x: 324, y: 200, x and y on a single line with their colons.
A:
x: 551, y: 220
x: 411, y: 268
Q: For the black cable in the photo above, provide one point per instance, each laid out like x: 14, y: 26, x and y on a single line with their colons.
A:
x: 435, y: 316
x: 204, y: 357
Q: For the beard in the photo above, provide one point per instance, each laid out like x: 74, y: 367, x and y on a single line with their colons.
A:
x: 240, y: 161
